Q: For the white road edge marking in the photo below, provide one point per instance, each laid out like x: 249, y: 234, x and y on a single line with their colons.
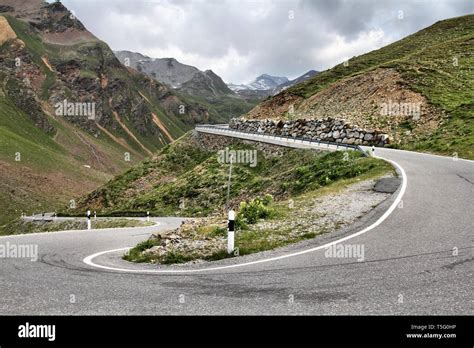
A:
x: 89, y: 259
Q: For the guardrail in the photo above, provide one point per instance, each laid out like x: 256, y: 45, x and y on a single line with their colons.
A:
x: 317, y: 143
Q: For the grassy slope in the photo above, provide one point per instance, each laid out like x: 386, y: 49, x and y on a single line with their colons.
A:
x: 425, y: 60
x: 185, y: 171
x: 25, y: 186
x: 41, y: 157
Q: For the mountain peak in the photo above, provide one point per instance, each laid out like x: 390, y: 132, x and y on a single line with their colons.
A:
x: 170, y: 71
x: 277, y: 79
x: 266, y: 85
x: 267, y: 82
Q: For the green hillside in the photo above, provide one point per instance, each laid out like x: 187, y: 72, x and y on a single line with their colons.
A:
x: 187, y: 173
x: 33, y: 166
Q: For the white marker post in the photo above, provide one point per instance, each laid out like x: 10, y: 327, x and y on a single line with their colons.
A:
x: 230, y: 232
x: 147, y: 216
x: 88, y: 214
x: 95, y: 215
x: 373, y: 150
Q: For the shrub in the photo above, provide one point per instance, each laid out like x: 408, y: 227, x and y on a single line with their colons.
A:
x: 176, y: 257
x: 218, y: 231
x: 254, y: 210
x: 136, y: 254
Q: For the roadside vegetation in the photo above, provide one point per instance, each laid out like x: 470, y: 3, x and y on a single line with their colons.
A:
x: 260, y: 195
x: 265, y: 224
x: 185, y: 179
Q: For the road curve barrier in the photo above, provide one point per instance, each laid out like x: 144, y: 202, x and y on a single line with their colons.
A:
x: 223, y: 129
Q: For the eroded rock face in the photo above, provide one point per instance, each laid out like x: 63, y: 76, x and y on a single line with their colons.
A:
x: 328, y: 129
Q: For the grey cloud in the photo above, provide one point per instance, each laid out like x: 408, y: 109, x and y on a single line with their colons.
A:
x: 258, y: 30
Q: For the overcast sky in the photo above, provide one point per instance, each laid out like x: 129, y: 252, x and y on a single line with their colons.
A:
x: 241, y: 39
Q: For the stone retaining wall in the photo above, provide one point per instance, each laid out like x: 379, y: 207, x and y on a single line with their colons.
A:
x: 328, y: 129
x: 214, y: 142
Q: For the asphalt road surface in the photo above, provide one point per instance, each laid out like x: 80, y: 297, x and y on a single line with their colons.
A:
x: 418, y: 259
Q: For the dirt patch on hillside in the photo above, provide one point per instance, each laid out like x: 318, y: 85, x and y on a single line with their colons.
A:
x: 24, y: 9
x: 120, y: 141
x: 276, y: 107
x: 46, y: 62
x: 69, y: 37
x: 104, y: 81
x: 6, y: 31
x: 162, y: 127
x: 379, y: 99
x: 157, y: 121
x: 128, y: 131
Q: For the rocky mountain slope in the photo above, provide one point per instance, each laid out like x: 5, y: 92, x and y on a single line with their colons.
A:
x: 71, y: 115
x: 203, y: 87
x: 420, y: 90
x: 185, y: 78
